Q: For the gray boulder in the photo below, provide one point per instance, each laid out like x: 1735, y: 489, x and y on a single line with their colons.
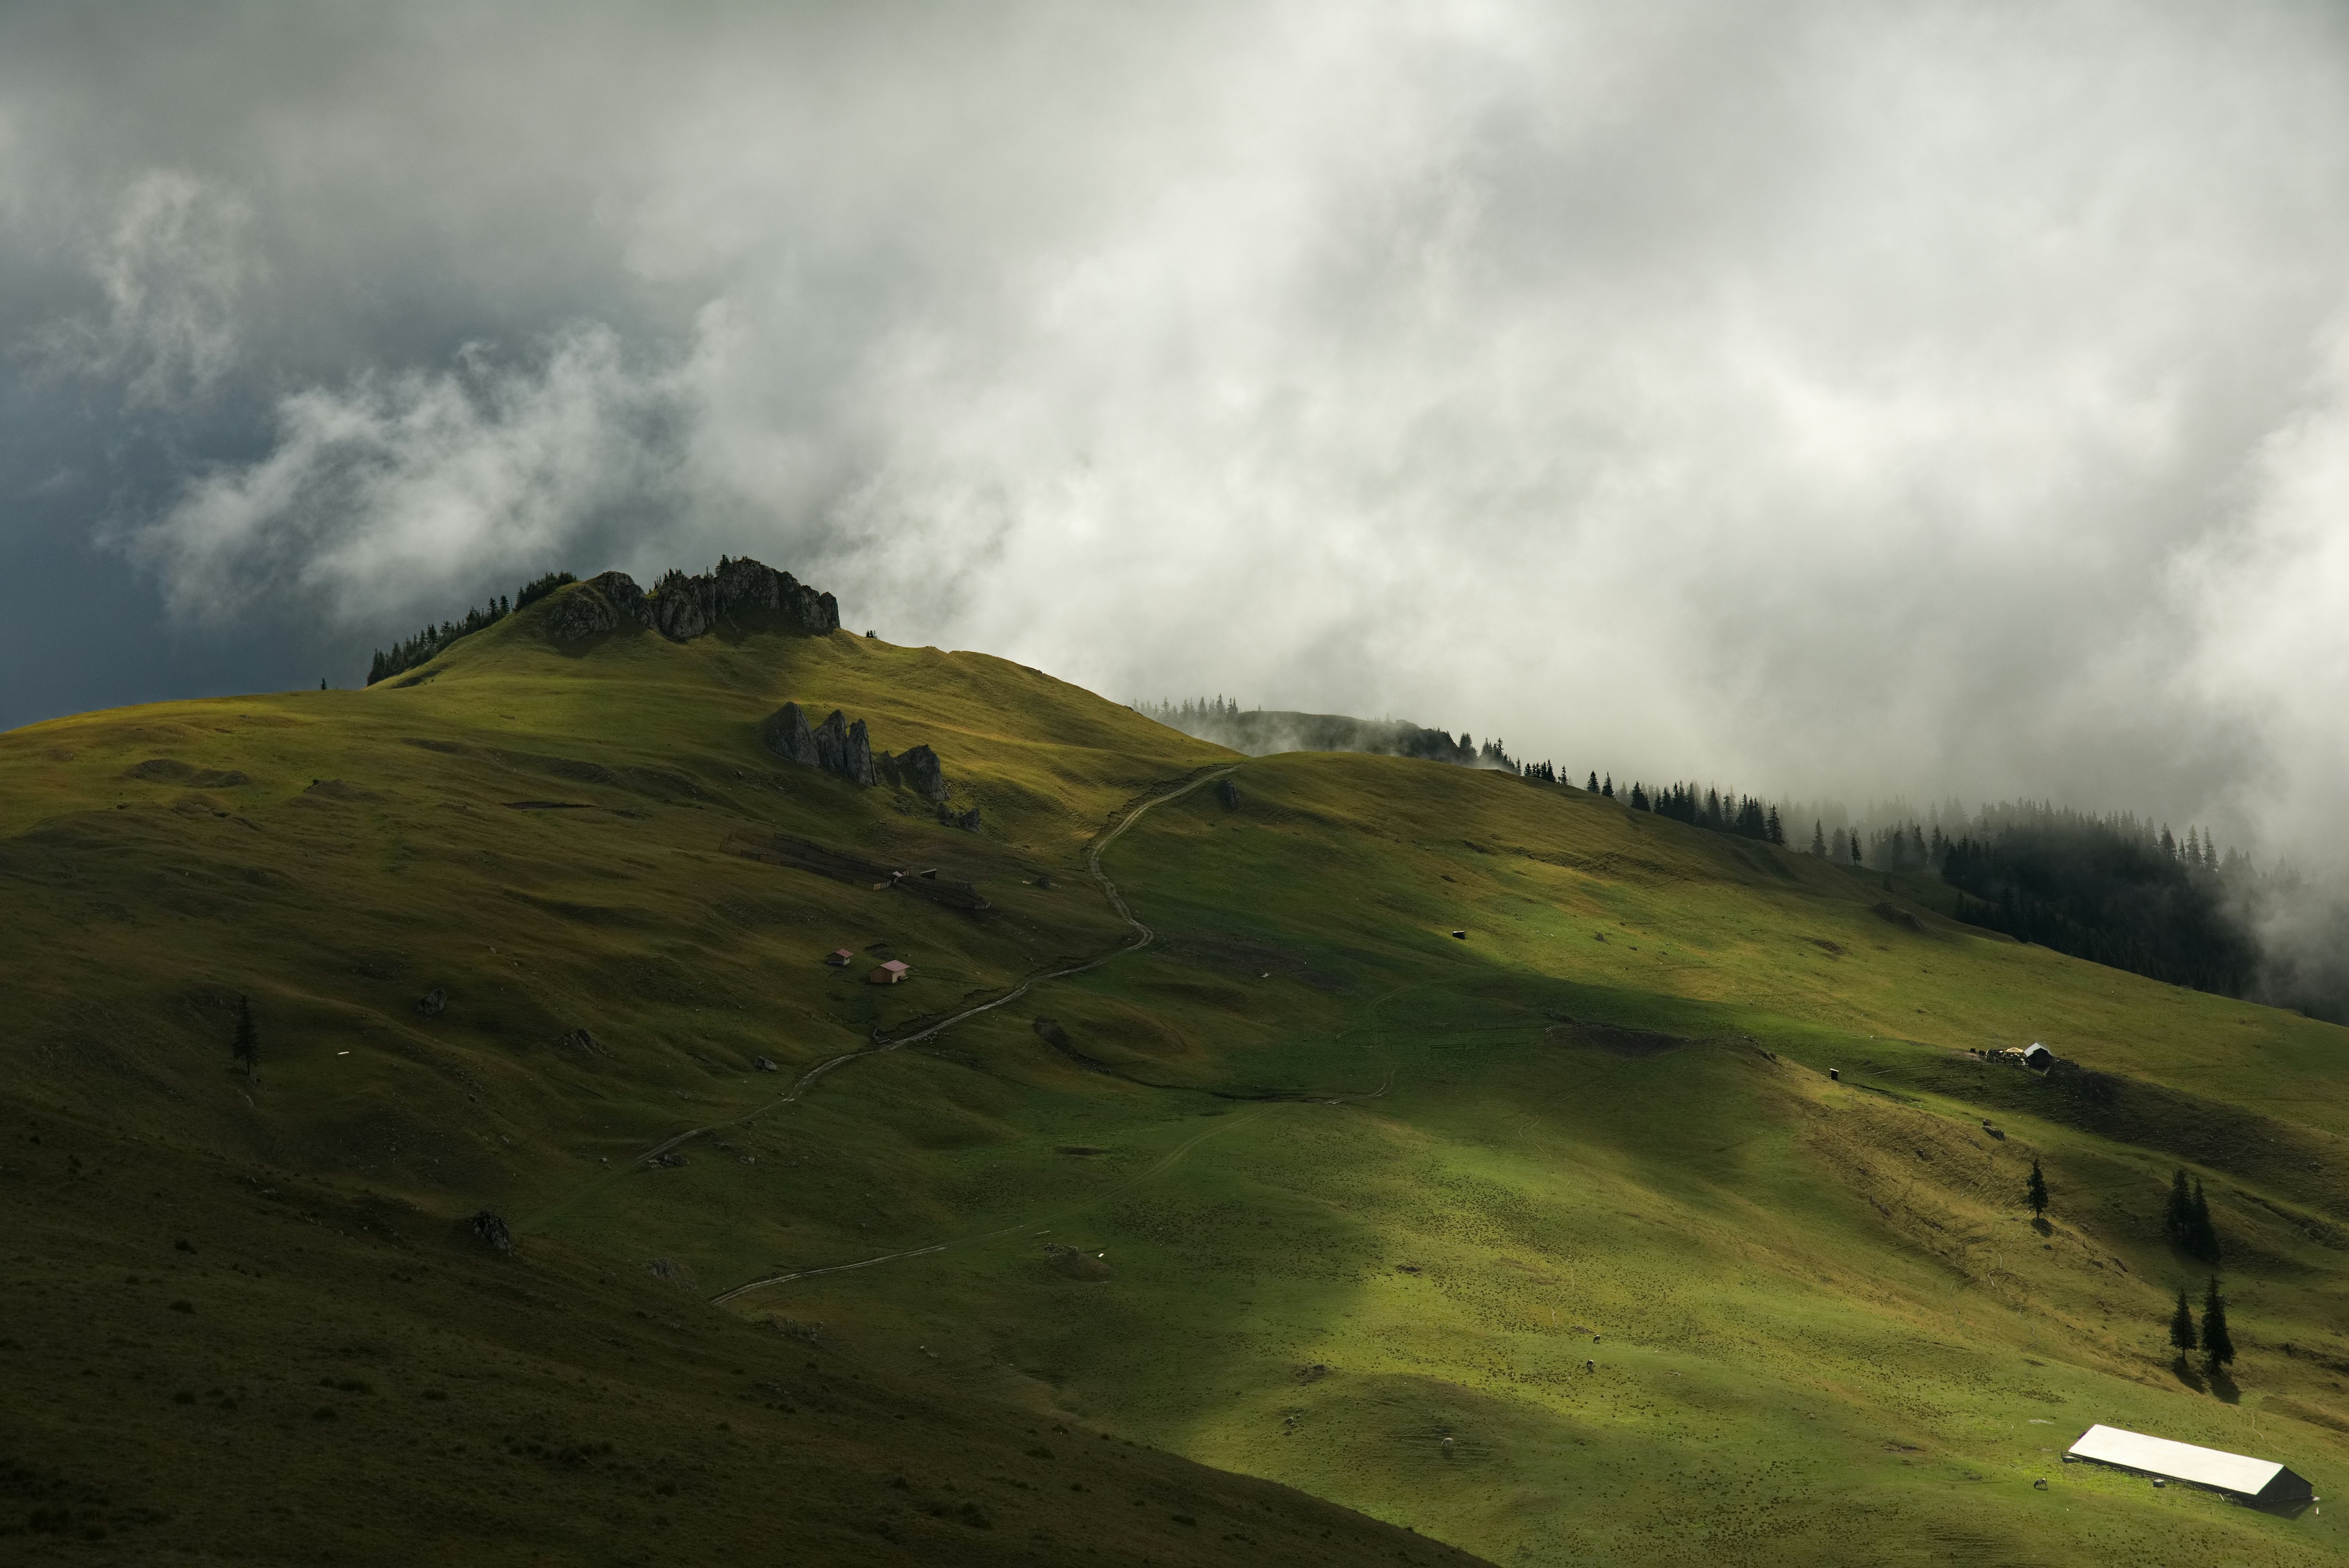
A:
x: 920, y: 770
x: 856, y: 760
x: 493, y: 1233
x: 788, y: 734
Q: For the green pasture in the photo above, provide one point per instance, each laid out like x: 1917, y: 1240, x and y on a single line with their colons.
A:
x: 1555, y: 1242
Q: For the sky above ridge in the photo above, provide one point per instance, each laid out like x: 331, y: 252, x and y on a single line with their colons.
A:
x: 1836, y: 401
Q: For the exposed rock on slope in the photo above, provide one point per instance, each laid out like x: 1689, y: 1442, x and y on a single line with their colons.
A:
x: 836, y: 746
x: 845, y: 749
x: 682, y: 607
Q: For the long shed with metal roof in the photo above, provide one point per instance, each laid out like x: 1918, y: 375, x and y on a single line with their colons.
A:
x: 2238, y: 1476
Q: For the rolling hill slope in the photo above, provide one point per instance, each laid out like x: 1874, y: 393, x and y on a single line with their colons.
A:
x: 1553, y: 1243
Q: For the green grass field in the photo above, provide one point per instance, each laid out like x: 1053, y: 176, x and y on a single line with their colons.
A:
x: 1555, y: 1244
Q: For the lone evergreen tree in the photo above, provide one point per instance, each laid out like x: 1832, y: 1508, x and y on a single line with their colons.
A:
x: 1593, y: 785
x: 2181, y: 1324
x: 1819, y: 839
x: 2177, y: 1214
x: 246, y: 1046
x: 2036, y: 1194
x: 1607, y: 789
x: 2201, y: 1237
x: 1855, y: 847
x: 2218, y: 1349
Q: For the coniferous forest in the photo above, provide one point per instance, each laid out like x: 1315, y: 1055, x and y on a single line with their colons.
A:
x: 2114, y: 890
x: 427, y: 644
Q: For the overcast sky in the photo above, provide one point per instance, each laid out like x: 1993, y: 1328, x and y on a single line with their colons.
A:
x: 1836, y: 400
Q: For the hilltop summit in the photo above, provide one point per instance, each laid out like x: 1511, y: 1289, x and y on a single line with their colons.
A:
x: 682, y: 607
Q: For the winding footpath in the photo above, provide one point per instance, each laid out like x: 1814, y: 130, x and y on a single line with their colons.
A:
x: 1142, y: 938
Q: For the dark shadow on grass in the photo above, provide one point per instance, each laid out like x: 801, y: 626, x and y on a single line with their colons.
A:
x: 2184, y: 1371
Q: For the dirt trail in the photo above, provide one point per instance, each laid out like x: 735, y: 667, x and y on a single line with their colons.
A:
x: 1142, y: 938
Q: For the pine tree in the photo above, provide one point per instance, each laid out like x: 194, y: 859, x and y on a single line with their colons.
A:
x: 246, y: 1046
x: 2201, y: 1237
x: 1819, y: 839
x: 2181, y: 1324
x: 1607, y: 789
x: 2036, y: 1193
x: 2218, y: 1347
x: 1855, y: 846
x: 2177, y: 1214
x: 1593, y: 785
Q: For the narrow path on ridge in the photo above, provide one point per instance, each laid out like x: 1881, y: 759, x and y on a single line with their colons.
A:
x: 1142, y: 938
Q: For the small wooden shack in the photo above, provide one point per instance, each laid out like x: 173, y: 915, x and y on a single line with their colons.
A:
x: 840, y: 958
x: 889, y: 973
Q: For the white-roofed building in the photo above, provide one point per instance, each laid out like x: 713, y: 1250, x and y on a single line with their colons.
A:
x: 2238, y: 1476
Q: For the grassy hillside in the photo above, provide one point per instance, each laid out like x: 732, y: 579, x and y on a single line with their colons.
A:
x: 1557, y: 1242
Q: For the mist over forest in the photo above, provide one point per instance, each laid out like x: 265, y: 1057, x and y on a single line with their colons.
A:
x: 2112, y: 888
x: 1864, y: 404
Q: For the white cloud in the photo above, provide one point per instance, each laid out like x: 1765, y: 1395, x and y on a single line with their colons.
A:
x: 173, y: 269
x: 2270, y: 600
x: 396, y: 486
x: 1820, y: 401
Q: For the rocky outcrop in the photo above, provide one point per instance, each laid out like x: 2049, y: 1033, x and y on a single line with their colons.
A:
x: 845, y: 749
x: 581, y: 1044
x: 785, y: 732
x: 835, y: 747
x: 493, y: 1233
x: 919, y: 770
x: 682, y: 607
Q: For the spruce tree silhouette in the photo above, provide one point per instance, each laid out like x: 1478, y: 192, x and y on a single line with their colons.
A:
x: 2218, y: 1348
x: 2201, y: 1237
x: 2181, y: 1324
x: 2036, y: 1194
x: 2177, y: 1214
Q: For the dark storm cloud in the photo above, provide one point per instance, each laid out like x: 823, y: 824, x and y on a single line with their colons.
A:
x: 1842, y: 401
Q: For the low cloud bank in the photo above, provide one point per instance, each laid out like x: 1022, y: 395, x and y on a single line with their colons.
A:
x: 1927, y: 401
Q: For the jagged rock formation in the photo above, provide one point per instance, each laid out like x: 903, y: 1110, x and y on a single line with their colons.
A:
x: 682, y: 607
x: 835, y: 747
x: 845, y: 749
x: 918, y: 772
